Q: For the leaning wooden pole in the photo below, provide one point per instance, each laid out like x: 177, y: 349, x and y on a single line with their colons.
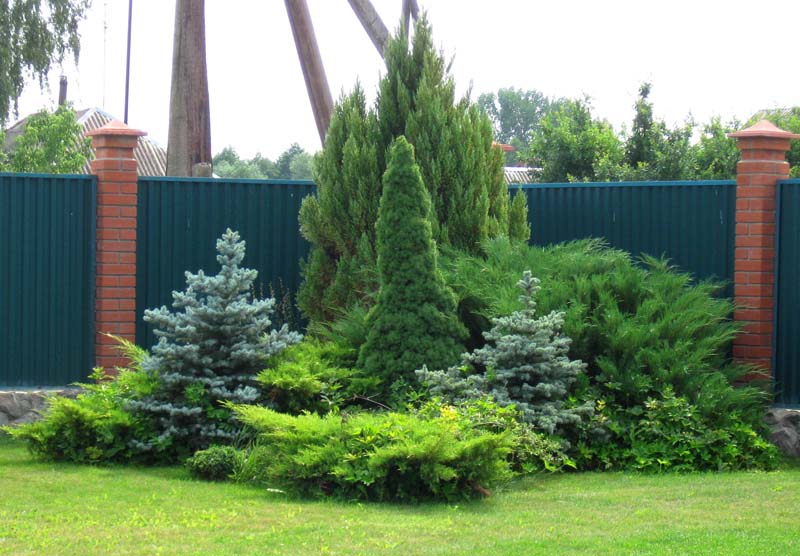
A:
x: 310, y: 60
x: 372, y: 23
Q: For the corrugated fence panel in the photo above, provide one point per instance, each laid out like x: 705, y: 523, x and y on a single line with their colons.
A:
x: 691, y: 223
x: 179, y: 221
x: 786, y: 362
x: 47, y: 266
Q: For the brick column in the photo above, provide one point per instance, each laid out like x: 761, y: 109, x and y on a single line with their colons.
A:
x: 115, y: 304
x: 763, y: 164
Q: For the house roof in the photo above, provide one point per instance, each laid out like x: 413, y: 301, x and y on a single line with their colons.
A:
x: 151, y: 156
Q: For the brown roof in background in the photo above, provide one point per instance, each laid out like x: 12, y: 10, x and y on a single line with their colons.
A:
x: 152, y: 157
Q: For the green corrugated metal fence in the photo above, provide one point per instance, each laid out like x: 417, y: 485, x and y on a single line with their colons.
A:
x: 47, y: 268
x: 691, y: 223
x: 179, y: 221
x: 786, y: 349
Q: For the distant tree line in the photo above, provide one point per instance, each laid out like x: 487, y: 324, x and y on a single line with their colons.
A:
x: 564, y: 141
x: 293, y: 164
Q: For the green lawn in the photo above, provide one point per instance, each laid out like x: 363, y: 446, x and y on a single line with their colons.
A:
x: 66, y: 509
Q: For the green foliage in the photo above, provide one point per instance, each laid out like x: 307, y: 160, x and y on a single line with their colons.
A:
x: 374, y: 456
x: 640, y: 329
x: 96, y: 426
x: 668, y: 433
x: 716, y: 154
x: 413, y: 321
x: 524, y: 364
x: 788, y: 120
x: 315, y: 377
x: 216, y: 463
x: 570, y: 144
x: 460, y: 168
x: 209, y: 350
x: 531, y: 451
x: 51, y: 144
x: 294, y: 163
x: 515, y: 115
x: 33, y: 37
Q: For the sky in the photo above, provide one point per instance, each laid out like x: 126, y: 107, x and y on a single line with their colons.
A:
x: 704, y: 58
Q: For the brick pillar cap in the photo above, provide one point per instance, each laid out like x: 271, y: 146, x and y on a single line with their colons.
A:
x: 764, y: 128
x: 116, y: 127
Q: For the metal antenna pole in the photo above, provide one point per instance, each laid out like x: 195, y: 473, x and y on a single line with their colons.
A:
x: 128, y: 61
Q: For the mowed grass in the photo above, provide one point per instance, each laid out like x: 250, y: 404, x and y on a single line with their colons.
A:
x: 62, y: 509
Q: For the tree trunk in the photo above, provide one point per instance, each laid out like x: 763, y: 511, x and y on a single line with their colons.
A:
x: 313, y: 71
x: 189, y: 141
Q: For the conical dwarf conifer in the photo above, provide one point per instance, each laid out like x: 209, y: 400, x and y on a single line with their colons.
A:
x: 414, y: 320
x: 209, y: 350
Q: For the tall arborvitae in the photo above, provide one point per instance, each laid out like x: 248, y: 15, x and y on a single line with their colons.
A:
x: 460, y: 168
x: 209, y: 350
x: 414, y: 321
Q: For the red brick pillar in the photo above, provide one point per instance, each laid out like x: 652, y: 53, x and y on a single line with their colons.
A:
x: 115, y: 299
x: 763, y: 164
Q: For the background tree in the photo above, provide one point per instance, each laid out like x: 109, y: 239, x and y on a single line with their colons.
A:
x: 51, y: 143
x: 789, y: 120
x: 716, y: 154
x: 414, y: 320
x: 570, y: 144
x: 294, y: 163
x: 33, y: 36
x: 460, y: 168
x: 645, y: 134
x: 515, y: 115
x: 189, y: 136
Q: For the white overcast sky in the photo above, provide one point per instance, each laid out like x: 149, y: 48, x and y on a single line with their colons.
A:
x: 704, y: 57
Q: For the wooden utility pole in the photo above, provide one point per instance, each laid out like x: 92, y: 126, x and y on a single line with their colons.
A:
x: 372, y: 23
x: 310, y: 60
x: 410, y: 9
x: 189, y: 140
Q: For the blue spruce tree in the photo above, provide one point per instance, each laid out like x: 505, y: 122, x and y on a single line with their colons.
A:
x: 525, y: 362
x: 210, y: 347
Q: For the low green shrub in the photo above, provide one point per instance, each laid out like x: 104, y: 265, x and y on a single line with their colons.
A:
x: 216, y: 463
x: 638, y: 328
x: 643, y: 330
x: 312, y: 376
x: 670, y: 434
x: 374, y: 456
x: 96, y: 426
x: 531, y: 451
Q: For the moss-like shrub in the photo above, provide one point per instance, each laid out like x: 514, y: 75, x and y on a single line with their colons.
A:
x: 216, y: 463
x: 314, y: 376
x: 375, y: 456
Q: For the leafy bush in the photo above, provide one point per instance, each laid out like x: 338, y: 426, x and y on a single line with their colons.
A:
x: 670, y: 434
x: 376, y: 456
x: 525, y: 364
x: 96, y: 426
x: 216, y: 463
x: 313, y: 376
x: 209, y: 350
